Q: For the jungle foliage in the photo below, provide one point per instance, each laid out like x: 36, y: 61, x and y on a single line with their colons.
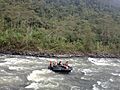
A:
x: 91, y: 26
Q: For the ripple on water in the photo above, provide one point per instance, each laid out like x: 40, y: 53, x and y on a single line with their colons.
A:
x: 17, y: 61
x: 115, y: 74
x: 75, y: 88
x: 17, y: 68
x: 10, y: 80
x: 47, y: 59
x: 103, y: 85
x: 98, y: 61
x: 103, y: 61
x: 87, y: 71
x: 95, y: 87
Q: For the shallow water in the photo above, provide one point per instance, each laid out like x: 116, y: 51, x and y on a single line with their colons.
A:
x: 31, y: 73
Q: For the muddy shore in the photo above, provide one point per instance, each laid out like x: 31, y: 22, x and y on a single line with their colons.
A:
x: 59, y: 55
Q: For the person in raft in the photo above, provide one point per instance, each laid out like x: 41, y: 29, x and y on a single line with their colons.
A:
x: 66, y: 65
x: 55, y: 64
x: 51, y: 64
x: 60, y: 63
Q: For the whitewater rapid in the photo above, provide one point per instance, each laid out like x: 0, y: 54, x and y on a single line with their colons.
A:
x: 31, y: 73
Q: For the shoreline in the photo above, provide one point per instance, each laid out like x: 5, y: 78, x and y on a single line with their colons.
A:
x: 63, y: 55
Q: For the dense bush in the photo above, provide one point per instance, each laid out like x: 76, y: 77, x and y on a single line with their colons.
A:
x: 60, y: 25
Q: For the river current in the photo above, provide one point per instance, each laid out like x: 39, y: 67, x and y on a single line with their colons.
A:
x: 31, y: 73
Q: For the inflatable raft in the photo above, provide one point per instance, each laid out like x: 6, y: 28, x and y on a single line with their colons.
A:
x: 60, y: 69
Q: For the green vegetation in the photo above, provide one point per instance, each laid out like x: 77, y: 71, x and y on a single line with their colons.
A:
x: 63, y: 26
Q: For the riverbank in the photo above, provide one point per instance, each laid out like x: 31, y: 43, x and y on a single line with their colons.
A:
x: 59, y: 55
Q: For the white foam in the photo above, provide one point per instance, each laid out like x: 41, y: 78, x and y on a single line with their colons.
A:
x: 47, y: 59
x: 118, y: 60
x: 111, y: 80
x: 17, y: 68
x: 2, y: 70
x: 56, y: 78
x: 33, y: 85
x: 105, y: 84
x: 38, y: 75
x: 42, y: 79
x: 75, y: 88
x: 115, y: 74
x: 43, y: 85
x: 85, y: 78
x: 50, y: 84
x: 30, y: 57
x: 87, y: 71
x: 98, y: 82
x: 75, y: 64
x: 101, y: 61
x: 95, y: 87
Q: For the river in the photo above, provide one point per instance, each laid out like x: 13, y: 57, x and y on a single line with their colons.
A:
x: 31, y: 73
